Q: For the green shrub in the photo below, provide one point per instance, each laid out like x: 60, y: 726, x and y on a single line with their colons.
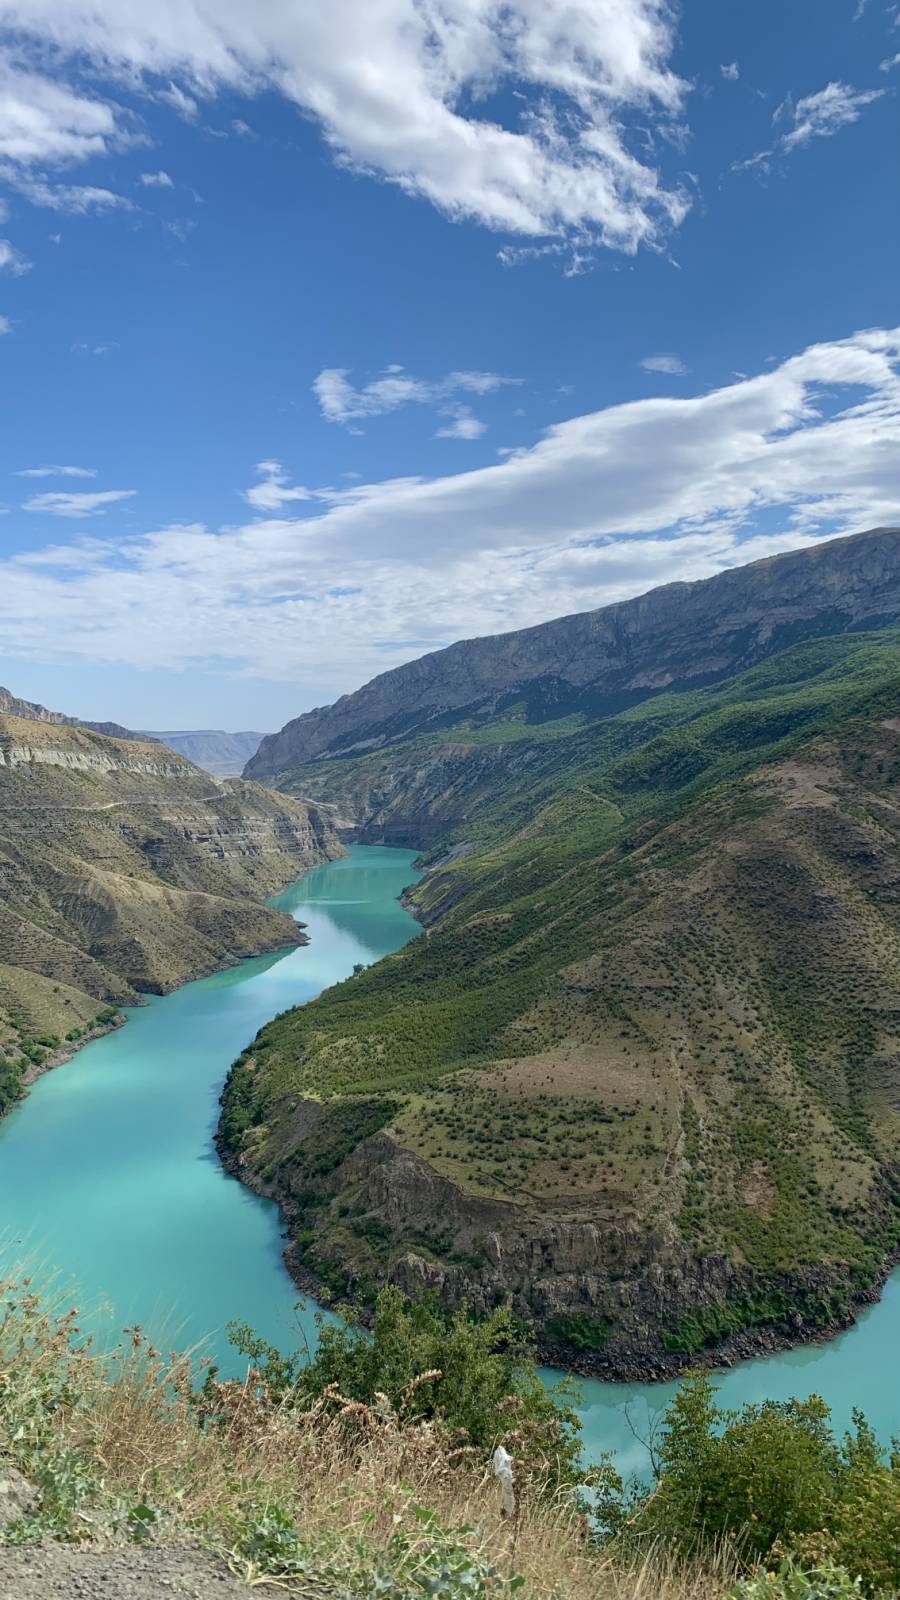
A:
x: 580, y: 1330
x: 789, y: 1582
x: 433, y: 1561
x: 774, y: 1483
x: 479, y: 1377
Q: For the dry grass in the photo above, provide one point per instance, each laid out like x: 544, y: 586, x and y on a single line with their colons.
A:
x: 127, y: 1429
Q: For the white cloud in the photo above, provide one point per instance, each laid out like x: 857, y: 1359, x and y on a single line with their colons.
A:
x: 76, y: 503
x: 44, y: 121
x: 11, y: 260
x: 819, y: 116
x: 82, y: 348
x: 405, y: 104
x: 665, y: 362
x: 890, y: 63
x: 605, y: 505
x: 731, y: 71
x: 463, y: 426
x: 75, y: 198
x: 274, y: 489
x: 156, y: 180
x: 5, y: 325
x: 339, y: 401
x: 56, y: 472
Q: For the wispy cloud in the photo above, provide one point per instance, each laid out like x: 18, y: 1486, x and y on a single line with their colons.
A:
x: 340, y: 401
x: 274, y: 489
x: 815, y: 116
x: 821, y: 115
x: 44, y: 121
x: 56, y: 472
x: 403, y: 105
x: 890, y: 62
x: 463, y: 426
x: 807, y: 447
x: 156, y: 180
x: 11, y: 260
x: 731, y: 71
x: 83, y: 348
x: 77, y: 503
x: 5, y: 325
x: 75, y: 198
x: 666, y: 362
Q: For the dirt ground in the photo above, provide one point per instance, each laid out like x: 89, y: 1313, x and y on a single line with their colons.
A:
x: 61, y: 1572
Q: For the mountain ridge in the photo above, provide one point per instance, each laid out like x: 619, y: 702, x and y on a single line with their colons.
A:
x: 602, y: 660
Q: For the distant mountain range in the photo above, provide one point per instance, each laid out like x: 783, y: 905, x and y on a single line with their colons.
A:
x: 224, y: 754
x: 642, y: 1077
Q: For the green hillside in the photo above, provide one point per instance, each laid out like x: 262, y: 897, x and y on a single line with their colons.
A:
x: 640, y: 1075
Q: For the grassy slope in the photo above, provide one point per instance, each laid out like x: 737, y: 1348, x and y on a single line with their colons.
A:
x: 661, y: 997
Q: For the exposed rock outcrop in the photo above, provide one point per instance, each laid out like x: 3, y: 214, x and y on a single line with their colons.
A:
x: 683, y: 634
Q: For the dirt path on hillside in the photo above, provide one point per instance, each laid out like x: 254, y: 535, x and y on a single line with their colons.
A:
x: 62, y: 1572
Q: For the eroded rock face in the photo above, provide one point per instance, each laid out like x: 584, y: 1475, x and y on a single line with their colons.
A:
x: 125, y: 868
x: 682, y: 634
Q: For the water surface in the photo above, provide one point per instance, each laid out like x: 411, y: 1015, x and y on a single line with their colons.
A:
x: 108, y: 1173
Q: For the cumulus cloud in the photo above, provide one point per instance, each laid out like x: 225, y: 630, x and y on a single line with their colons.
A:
x: 76, y: 503
x: 731, y: 71
x: 377, y: 572
x: 156, y: 180
x: 56, y: 472
x: 666, y: 362
x: 405, y: 104
x: 891, y: 62
x: 340, y: 401
x: 821, y: 115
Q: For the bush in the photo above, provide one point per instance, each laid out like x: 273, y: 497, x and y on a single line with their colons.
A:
x: 772, y: 1481
x: 825, y: 1582
x: 479, y: 1378
x: 431, y: 1560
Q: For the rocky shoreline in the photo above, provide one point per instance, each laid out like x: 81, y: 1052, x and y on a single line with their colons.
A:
x: 626, y: 1363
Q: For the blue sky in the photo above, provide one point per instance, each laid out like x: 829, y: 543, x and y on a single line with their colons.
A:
x: 363, y: 328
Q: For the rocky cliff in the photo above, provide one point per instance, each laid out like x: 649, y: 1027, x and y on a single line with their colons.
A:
x: 31, y: 711
x: 124, y: 868
x: 595, y: 663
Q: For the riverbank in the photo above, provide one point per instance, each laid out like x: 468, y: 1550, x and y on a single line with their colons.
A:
x: 65, y: 1051
x: 640, y: 1363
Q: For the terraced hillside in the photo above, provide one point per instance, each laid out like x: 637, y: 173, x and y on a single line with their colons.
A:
x: 124, y: 868
x: 642, y: 1073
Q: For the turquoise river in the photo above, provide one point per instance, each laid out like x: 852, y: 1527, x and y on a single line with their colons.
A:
x: 109, y: 1178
